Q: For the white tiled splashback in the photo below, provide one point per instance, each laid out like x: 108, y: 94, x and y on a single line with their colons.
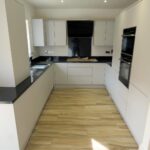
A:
x: 64, y: 51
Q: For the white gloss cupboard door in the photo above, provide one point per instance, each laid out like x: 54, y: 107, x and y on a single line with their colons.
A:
x: 137, y: 110
x: 60, y: 33
x: 109, y: 33
x: 99, y: 33
x: 60, y: 73
x: 38, y: 32
x: 99, y: 74
x: 103, y: 33
x: 50, y: 33
x: 56, y: 33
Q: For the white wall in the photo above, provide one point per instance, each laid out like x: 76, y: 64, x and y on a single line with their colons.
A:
x: 5, y: 53
x: 64, y: 51
x: 18, y: 39
x: 13, y: 44
x: 29, y: 15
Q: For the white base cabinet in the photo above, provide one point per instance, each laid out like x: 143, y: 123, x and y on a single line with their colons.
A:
x: 98, y: 73
x: 60, y: 73
x: 21, y: 117
x: 79, y: 73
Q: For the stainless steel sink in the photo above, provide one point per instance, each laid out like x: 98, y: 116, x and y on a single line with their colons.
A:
x: 39, y: 66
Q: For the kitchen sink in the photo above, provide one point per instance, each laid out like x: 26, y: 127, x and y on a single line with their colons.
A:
x: 39, y: 66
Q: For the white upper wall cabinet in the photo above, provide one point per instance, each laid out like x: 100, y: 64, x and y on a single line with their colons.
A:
x: 56, y: 33
x: 103, y: 33
x: 38, y: 32
x: 109, y: 33
x: 50, y: 34
x: 99, y: 33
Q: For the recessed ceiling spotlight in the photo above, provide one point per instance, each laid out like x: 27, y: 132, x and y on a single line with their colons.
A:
x: 62, y: 1
x: 105, y: 1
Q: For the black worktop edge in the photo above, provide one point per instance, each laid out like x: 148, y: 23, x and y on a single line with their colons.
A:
x: 9, y: 95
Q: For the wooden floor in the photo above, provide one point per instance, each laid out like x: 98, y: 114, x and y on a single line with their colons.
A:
x: 81, y: 119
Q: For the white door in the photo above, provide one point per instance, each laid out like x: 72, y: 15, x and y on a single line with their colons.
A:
x: 38, y: 32
x: 60, y: 73
x: 109, y: 33
x: 99, y: 33
x: 60, y: 33
x: 50, y: 33
x: 99, y: 74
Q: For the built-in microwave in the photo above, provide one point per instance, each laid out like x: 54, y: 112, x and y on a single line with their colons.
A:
x: 128, y: 39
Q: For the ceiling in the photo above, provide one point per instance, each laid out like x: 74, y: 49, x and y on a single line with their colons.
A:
x: 111, y: 4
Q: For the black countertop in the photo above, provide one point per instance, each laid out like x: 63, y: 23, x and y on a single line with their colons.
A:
x: 9, y: 95
x: 46, y: 59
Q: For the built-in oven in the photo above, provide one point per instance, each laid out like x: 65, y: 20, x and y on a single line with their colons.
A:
x: 125, y: 69
x: 128, y: 40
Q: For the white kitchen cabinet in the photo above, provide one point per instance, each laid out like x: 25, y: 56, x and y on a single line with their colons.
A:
x: 117, y: 90
x: 131, y: 103
x: 38, y: 32
x: 99, y: 74
x: 99, y: 33
x: 50, y: 33
x: 137, y: 110
x: 103, y: 33
x: 79, y: 74
x: 60, y: 73
x: 109, y: 33
x: 121, y: 97
x: 56, y: 33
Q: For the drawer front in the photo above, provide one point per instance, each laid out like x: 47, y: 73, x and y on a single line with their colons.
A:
x: 80, y: 65
x: 80, y: 71
x: 80, y: 80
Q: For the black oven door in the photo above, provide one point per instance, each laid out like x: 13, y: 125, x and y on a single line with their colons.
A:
x: 124, y: 75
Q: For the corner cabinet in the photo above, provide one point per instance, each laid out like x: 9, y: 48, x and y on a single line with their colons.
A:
x: 103, y: 33
x: 38, y: 32
x: 56, y: 33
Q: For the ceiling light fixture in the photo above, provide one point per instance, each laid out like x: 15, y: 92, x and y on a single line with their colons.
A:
x: 62, y: 1
x: 105, y: 1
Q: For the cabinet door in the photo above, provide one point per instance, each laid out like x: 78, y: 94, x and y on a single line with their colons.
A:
x: 60, y: 73
x: 50, y: 33
x: 99, y: 33
x: 38, y: 32
x: 60, y: 33
x: 109, y: 33
x: 137, y: 110
x: 98, y: 74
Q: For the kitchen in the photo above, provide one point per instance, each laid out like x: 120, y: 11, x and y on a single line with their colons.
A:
x: 75, y: 48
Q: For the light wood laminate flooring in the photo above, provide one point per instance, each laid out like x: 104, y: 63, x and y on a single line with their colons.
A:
x: 81, y: 119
